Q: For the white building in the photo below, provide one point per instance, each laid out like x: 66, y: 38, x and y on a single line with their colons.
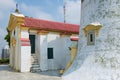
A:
x: 39, y: 44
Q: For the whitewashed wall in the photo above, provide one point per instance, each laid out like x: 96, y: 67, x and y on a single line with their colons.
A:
x: 52, y: 40
x: 61, y: 52
x: 99, y: 61
x: 25, y: 55
x: 43, y: 52
x: 37, y: 47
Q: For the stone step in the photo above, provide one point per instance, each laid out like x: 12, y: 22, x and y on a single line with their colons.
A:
x: 35, y: 70
x: 35, y: 66
x: 35, y: 63
x: 35, y: 60
x: 33, y: 55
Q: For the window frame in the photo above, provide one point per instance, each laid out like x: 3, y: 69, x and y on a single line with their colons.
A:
x: 89, y: 42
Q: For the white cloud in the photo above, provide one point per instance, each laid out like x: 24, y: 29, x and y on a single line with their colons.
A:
x: 2, y: 31
x: 35, y: 11
x: 7, y: 4
x: 72, y: 11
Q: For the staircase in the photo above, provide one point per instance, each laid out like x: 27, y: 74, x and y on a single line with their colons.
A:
x: 35, y: 65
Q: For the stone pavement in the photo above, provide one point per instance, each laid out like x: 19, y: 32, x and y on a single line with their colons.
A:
x: 7, y: 73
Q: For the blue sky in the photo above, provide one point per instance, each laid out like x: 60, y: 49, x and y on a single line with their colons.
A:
x: 43, y: 9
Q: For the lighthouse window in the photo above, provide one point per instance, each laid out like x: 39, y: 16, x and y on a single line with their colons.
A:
x: 91, y: 38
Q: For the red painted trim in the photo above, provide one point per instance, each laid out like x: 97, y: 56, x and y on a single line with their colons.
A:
x: 74, y: 39
x: 25, y: 40
x: 23, y: 44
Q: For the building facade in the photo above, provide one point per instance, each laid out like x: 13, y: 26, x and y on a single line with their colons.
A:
x: 39, y: 44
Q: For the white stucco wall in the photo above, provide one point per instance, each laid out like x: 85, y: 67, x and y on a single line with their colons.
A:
x: 53, y: 40
x: 24, y: 34
x: 42, y: 40
x: 61, y: 52
x: 37, y: 47
x: 99, y: 61
x: 25, y: 55
x: 25, y: 58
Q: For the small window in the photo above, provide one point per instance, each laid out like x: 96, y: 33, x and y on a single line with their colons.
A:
x: 91, y: 38
x: 50, y: 53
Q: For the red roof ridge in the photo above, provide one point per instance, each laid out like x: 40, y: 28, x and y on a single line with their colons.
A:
x: 52, y: 21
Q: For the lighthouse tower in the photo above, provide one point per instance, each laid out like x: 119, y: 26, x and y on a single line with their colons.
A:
x: 98, y: 55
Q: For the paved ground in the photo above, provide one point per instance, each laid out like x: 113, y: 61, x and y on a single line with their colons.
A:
x: 7, y: 73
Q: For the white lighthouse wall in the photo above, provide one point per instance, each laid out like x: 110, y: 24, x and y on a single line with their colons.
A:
x: 99, y: 61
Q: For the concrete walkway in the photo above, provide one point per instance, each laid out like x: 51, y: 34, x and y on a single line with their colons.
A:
x: 7, y: 73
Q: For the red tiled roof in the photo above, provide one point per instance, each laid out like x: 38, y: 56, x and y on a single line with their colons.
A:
x: 50, y: 25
